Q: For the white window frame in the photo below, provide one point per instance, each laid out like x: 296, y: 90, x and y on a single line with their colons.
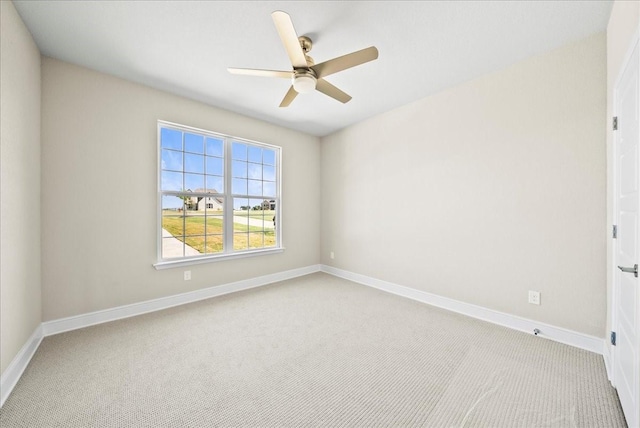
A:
x: 228, y: 198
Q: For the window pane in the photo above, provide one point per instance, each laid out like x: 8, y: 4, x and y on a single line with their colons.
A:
x: 240, y: 241
x: 261, y: 216
x: 197, y: 205
x: 269, y: 157
x: 255, y: 187
x: 172, y: 205
x: 170, y: 139
x: 256, y: 207
x: 239, y: 151
x: 172, y: 248
x: 269, y: 189
x: 193, y: 143
x: 194, y: 182
x: 239, y: 186
x: 194, y: 225
x: 171, y: 160
x: 270, y: 238
x: 254, y: 171
x: 214, y: 225
x: 255, y: 154
x: 241, y: 207
x: 239, y: 169
x: 172, y: 216
x: 190, y: 204
x: 214, y: 147
x: 270, y: 218
x: 269, y: 173
x: 214, y: 207
x: 215, y: 184
x: 215, y: 244
x: 240, y: 228
x: 172, y: 227
x: 256, y: 215
x: 269, y: 205
x: 193, y: 163
x: 256, y: 240
x: 194, y: 219
x: 214, y: 166
x: 194, y: 245
x: 171, y: 181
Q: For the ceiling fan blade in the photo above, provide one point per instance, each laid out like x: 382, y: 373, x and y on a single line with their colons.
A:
x: 346, y: 61
x: 330, y: 90
x: 261, y: 73
x: 290, y: 96
x: 289, y: 38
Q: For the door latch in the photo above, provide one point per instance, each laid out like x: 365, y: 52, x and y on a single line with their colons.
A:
x: 633, y: 270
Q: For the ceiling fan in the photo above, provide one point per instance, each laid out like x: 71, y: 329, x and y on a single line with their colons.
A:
x: 306, y: 75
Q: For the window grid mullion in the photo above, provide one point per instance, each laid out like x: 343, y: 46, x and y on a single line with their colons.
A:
x: 228, y: 206
x: 184, y: 205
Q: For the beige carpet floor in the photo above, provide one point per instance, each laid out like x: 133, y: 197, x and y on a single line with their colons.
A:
x: 314, y: 351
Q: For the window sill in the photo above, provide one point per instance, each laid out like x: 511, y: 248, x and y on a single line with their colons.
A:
x: 168, y: 264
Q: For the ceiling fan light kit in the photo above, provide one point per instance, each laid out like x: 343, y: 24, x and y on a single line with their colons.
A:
x: 304, y: 82
x: 307, y: 76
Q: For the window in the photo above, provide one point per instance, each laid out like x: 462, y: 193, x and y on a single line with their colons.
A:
x: 219, y: 195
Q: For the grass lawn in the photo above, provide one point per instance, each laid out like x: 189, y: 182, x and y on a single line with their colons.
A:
x: 207, y: 237
x: 267, y: 214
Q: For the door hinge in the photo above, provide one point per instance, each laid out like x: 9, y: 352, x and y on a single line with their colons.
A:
x: 615, y: 123
x: 615, y: 231
x: 613, y: 338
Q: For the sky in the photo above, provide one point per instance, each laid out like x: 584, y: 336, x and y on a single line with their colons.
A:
x: 192, y: 161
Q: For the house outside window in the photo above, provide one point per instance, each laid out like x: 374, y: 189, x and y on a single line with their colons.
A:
x: 219, y: 196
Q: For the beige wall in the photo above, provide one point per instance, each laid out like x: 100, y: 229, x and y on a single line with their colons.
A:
x: 622, y: 31
x: 99, y: 190
x: 484, y: 191
x: 20, y: 295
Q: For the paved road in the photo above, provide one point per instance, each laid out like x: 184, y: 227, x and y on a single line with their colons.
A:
x: 268, y: 223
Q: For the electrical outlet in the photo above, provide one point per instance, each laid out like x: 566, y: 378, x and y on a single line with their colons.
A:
x: 534, y: 297
x: 187, y: 275
x: 331, y: 255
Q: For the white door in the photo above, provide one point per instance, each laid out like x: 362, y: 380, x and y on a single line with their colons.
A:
x: 626, y: 311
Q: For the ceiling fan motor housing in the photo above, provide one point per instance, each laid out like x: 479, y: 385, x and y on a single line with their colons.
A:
x: 305, y: 43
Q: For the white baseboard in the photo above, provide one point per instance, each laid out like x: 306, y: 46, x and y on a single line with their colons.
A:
x: 85, y: 320
x: 13, y: 372
x: 558, y: 334
x: 606, y: 355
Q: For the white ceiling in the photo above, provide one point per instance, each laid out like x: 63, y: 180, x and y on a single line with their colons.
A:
x: 185, y: 47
